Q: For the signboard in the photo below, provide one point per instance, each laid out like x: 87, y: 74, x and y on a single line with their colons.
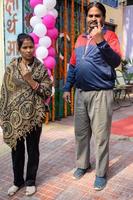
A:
x: 112, y: 3
x: 13, y: 26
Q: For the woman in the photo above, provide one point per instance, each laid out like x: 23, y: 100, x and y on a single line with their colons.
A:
x: 25, y: 86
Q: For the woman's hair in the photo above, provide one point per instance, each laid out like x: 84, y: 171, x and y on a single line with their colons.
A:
x: 97, y: 5
x: 21, y: 37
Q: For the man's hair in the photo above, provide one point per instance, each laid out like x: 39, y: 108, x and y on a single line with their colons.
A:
x: 97, y: 5
x: 21, y: 37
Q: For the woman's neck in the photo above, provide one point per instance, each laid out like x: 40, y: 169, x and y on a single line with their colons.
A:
x: 28, y: 62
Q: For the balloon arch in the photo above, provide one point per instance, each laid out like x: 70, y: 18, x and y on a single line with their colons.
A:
x: 70, y: 23
x: 44, y: 31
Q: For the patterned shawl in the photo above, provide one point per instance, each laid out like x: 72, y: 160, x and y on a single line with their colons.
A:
x: 21, y: 107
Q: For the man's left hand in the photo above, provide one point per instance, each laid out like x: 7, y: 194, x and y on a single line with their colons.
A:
x: 97, y: 34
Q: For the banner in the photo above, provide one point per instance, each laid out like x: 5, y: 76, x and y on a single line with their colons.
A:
x: 13, y: 26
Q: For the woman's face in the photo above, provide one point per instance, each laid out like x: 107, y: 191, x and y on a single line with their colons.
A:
x: 27, y: 49
x: 93, y: 17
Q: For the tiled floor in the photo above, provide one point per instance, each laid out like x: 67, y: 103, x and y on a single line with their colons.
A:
x: 57, y: 163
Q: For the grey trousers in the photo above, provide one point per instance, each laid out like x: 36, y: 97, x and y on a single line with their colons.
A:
x: 93, y: 115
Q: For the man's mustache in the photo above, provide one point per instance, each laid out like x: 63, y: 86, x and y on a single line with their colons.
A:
x: 94, y: 23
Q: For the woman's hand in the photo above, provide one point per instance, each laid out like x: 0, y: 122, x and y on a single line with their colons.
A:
x: 27, y: 75
x: 25, y: 72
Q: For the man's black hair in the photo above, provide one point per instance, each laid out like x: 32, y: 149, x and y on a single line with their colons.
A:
x: 97, y: 5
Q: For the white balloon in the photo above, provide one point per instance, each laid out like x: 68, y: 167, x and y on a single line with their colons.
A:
x: 45, y: 41
x: 41, y: 60
x: 40, y: 10
x: 50, y: 4
x: 41, y: 52
x: 35, y: 20
x: 53, y: 12
x: 40, y: 30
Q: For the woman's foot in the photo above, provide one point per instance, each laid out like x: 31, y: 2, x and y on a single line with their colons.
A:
x: 12, y: 190
x: 30, y: 190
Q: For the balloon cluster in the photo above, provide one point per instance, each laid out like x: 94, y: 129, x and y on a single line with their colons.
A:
x: 44, y: 31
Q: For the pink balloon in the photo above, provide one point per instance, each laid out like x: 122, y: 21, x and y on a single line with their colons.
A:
x: 47, y: 101
x: 35, y: 37
x: 49, y: 21
x: 36, y: 46
x: 51, y: 51
x: 49, y: 62
x: 52, y: 33
x: 49, y: 72
x: 33, y: 3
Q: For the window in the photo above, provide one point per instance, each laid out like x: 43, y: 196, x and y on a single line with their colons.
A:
x: 129, y: 2
x: 110, y: 26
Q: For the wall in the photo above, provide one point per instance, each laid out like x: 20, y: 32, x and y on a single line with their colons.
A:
x: 10, y: 27
x: 128, y: 32
x: 116, y: 14
x: 1, y: 43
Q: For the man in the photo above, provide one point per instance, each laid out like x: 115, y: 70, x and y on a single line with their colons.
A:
x: 92, y: 70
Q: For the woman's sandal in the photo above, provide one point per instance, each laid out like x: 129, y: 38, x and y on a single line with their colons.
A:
x: 30, y: 190
x: 12, y: 190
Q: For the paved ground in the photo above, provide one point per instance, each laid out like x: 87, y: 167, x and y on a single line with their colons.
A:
x: 57, y: 163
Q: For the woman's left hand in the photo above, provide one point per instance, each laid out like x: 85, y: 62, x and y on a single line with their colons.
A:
x: 26, y: 74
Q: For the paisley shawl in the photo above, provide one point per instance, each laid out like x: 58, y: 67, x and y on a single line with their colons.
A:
x: 21, y: 107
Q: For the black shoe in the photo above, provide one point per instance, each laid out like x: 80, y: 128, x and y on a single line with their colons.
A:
x: 80, y: 172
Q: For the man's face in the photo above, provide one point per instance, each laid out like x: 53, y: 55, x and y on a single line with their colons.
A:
x: 93, y: 17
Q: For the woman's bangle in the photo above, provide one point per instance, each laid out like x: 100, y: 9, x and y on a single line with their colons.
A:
x: 36, y: 86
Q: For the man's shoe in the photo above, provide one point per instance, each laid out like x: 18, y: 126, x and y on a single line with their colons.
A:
x: 100, y: 183
x: 80, y: 172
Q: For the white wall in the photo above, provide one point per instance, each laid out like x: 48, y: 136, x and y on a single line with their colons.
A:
x: 116, y: 14
x: 1, y: 43
x: 128, y: 32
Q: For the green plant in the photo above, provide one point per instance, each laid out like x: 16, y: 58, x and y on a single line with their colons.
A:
x: 124, y: 63
x: 127, y: 68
